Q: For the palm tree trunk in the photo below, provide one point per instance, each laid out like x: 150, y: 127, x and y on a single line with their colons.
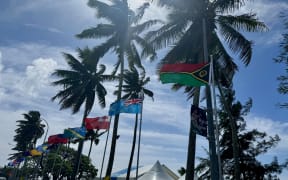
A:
x: 235, y: 145
x: 133, y: 148
x: 116, y: 119
x: 79, y: 151
x: 90, y: 148
x: 190, y: 164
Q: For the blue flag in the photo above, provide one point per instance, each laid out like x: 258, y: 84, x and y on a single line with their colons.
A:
x: 132, y: 106
x: 78, y: 132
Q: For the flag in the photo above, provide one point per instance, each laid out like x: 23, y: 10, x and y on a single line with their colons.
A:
x: 97, y: 123
x: 185, y: 74
x: 42, y: 148
x: 57, y: 139
x: 34, y: 152
x: 26, y: 153
x: 16, y: 162
x: 199, y: 121
x: 132, y: 106
x: 78, y: 132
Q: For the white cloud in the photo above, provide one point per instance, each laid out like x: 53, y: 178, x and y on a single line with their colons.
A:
x: 37, y: 75
x: 266, y: 10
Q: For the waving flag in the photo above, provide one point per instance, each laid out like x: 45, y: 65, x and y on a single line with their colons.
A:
x: 97, y: 123
x: 132, y: 106
x: 199, y: 121
x: 57, y: 139
x: 78, y: 132
x: 16, y: 162
x: 34, y: 152
x: 42, y: 148
x: 185, y: 74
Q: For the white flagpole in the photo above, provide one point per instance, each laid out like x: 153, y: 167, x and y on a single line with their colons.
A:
x: 212, y: 83
x: 139, y: 135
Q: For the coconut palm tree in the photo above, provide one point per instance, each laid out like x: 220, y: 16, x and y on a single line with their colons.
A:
x: 82, y: 84
x: 134, y: 88
x: 193, y: 25
x: 122, y: 30
x: 28, y: 132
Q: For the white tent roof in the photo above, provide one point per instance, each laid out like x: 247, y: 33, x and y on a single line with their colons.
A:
x: 157, y: 172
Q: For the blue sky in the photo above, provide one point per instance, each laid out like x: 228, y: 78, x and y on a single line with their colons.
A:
x: 33, y: 35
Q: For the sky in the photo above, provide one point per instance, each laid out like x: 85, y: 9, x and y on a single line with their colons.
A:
x: 33, y: 36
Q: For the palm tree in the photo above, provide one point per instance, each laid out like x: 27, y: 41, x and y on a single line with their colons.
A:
x: 122, y: 30
x: 189, y: 21
x: 28, y: 132
x: 81, y: 84
x: 134, y: 88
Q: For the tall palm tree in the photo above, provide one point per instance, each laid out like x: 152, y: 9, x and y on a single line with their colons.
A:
x: 191, y: 20
x: 81, y: 84
x: 134, y: 88
x: 28, y: 132
x: 122, y: 30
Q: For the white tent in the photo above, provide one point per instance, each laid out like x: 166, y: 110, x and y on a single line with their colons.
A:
x: 157, y: 172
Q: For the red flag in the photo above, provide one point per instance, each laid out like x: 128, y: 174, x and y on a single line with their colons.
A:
x: 57, y: 139
x: 97, y: 123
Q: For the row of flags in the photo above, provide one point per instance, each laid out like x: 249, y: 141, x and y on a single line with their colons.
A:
x: 122, y: 106
x: 80, y: 132
x: 99, y: 123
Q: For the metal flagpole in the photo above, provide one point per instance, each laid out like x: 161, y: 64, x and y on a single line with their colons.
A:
x: 105, y: 148
x: 212, y: 78
x: 139, y: 135
x: 211, y: 135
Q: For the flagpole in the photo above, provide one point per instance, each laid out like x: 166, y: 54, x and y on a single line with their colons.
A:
x: 139, y: 135
x: 105, y: 148
x: 215, y: 116
x: 211, y: 135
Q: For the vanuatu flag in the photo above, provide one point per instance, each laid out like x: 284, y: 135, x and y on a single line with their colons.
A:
x: 185, y: 74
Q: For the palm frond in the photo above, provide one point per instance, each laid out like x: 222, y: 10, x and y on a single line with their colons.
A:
x: 147, y: 48
x: 102, y: 30
x: 246, y: 22
x: 237, y: 42
x: 103, y: 48
x: 144, y: 26
x: 111, y: 12
x: 74, y: 63
x: 140, y: 12
x: 228, y: 5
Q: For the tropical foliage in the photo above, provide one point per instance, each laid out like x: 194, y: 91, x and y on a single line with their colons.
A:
x: 134, y: 88
x: 28, y: 132
x: 253, y: 143
x: 81, y: 85
x: 283, y: 59
x: 197, y: 29
x: 122, y: 32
